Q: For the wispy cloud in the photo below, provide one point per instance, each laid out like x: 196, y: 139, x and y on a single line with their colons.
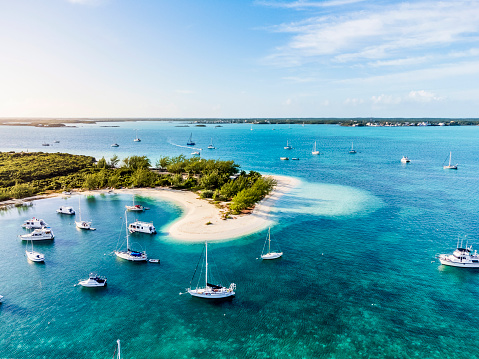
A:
x: 184, y: 92
x: 381, y: 33
x: 87, y: 2
x: 299, y: 5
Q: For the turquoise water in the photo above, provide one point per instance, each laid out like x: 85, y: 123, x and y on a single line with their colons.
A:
x: 358, y: 278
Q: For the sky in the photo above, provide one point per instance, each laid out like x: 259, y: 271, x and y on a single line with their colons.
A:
x: 239, y: 58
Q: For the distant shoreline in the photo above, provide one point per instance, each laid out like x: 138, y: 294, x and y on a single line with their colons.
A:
x: 354, y: 122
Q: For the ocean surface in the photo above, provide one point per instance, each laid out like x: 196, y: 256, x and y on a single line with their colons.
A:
x: 358, y: 278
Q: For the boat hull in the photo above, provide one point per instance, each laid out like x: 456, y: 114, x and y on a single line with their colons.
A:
x: 92, y: 283
x: 211, y: 294
x: 272, y: 255
x: 450, y: 263
x: 129, y: 257
x: 35, y: 256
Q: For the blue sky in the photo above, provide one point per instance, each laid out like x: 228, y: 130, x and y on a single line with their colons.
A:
x: 229, y: 59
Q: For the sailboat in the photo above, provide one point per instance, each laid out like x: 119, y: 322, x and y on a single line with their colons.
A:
x: 82, y: 224
x: 135, y: 207
x: 117, y: 353
x: 449, y: 166
x: 352, y: 150
x: 136, y: 138
x: 210, y: 146
x: 269, y: 254
x: 190, y: 141
x: 315, y: 152
x: 288, y: 146
x: 35, y: 256
x: 211, y: 291
x: 130, y: 255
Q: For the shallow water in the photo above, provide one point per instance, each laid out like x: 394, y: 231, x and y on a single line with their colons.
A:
x: 358, y: 278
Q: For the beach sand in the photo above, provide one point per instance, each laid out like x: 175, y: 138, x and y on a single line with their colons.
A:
x: 192, y: 225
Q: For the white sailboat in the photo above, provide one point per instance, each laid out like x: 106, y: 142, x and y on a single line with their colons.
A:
x: 117, y: 353
x: 211, y: 291
x: 35, y: 256
x: 288, y: 146
x: 269, y: 254
x: 83, y: 224
x: 137, y: 139
x: 210, y: 146
x: 129, y: 255
x: 135, y: 207
x: 352, y: 150
x: 449, y: 166
x: 315, y: 152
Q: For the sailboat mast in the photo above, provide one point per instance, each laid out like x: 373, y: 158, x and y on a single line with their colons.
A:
x: 127, y: 236
x: 206, y: 260
x: 119, y: 351
x: 269, y: 240
x: 450, y: 155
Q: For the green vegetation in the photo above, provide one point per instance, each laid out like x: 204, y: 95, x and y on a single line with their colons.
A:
x: 26, y: 174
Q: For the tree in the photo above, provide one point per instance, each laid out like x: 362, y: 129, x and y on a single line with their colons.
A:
x: 114, y: 161
x: 136, y: 162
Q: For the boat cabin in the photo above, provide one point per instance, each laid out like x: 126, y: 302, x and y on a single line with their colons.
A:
x: 143, y: 227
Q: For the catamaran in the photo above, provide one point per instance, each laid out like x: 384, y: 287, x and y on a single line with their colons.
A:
x: 315, y: 152
x: 211, y: 291
x: 449, y: 166
x: 269, y: 254
x: 129, y: 255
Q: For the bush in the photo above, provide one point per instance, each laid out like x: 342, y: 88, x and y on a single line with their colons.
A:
x: 206, y: 194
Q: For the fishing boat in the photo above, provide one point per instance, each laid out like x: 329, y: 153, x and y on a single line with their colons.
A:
x: 405, y: 159
x: 352, y: 150
x: 208, y: 290
x: 190, y: 141
x: 461, y: 257
x: 93, y: 280
x: 210, y: 146
x: 83, y: 224
x: 450, y: 166
x: 66, y: 210
x: 288, y: 146
x: 35, y: 256
x: 135, y: 207
x: 315, y: 151
x: 137, y: 139
x: 38, y: 234
x: 34, y: 223
x: 129, y: 255
x: 269, y: 254
x: 142, y: 227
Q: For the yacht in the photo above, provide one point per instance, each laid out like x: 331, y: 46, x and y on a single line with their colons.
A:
x: 93, y: 281
x: 130, y: 255
x: 81, y: 224
x: 352, y: 150
x: 315, y: 151
x: 135, y: 207
x: 66, y: 210
x: 288, y: 146
x: 34, y: 223
x: 210, y: 146
x: 270, y: 254
x: 461, y: 257
x: 190, y: 141
x: 38, y: 235
x: 143, y: 227
x: 450, y: 166
x: 137, y: 139
x: 405, y: 159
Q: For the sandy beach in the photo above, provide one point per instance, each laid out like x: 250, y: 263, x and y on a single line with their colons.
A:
x: 192, y: 225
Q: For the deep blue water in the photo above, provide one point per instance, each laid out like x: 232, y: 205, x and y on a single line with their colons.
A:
x: 358, y: 278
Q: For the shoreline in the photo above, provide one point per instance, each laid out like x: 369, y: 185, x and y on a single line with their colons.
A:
x: 192, y: 225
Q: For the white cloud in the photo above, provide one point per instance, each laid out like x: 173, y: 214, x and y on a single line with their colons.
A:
x: 380, y: 32
x: 302, y: 4
x: 386, y: 99
x: 353, y: 101
x: 423, y: 96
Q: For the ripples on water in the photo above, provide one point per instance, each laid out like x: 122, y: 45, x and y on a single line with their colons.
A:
x: 358, y: 278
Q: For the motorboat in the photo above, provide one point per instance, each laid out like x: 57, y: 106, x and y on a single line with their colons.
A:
x: 195, y: 153
x: 142, y: 227
x: 34, y: 223
x: 66, y: 210
x: 405, y: 159
x: 270, y: 254
x: 115, y: 145
x: 93, y: 280
x: 209, y: 290
x: 295, y: 159
x: 35, y: 256
x: 130, y: 255
x: 461, y: 257
x: 38, y: 234
x: 284, y: 158
x: 154, y: 260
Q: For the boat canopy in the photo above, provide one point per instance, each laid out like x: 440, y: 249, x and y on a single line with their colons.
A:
x: 214, y: 286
